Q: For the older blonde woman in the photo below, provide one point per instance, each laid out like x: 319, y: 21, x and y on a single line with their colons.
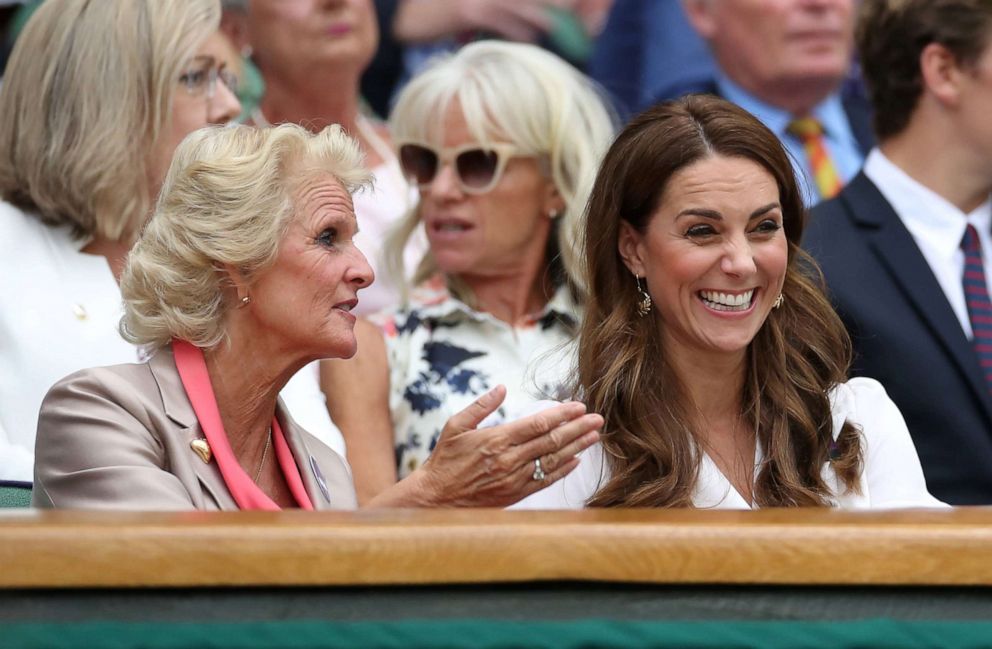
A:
x: 96, y: 97
x: 247, y: 272
x: 502, y: 141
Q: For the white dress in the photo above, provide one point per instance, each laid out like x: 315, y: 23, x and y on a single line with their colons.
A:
x: 892, y: 476
x: 59, y: 311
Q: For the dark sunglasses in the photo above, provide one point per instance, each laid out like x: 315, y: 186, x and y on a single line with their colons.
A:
x: 478, y: 168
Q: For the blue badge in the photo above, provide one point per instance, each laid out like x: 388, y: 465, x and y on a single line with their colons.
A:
x: 320, y: 479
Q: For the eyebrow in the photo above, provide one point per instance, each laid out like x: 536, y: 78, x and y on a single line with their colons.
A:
x: 717, y: 216
x: 206, y: 59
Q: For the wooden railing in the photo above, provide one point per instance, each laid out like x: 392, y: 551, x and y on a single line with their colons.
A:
x: 795, y: 547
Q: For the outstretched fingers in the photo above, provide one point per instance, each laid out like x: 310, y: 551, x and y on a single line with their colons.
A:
x: 561, y: 443
x: 535, y: 426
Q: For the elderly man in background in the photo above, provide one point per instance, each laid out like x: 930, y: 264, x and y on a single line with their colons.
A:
x: 785, y: 61
x: 904, y: 246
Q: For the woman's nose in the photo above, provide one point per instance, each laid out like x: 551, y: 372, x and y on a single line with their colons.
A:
x: 738, y: 259
x: 360, y: 271
x: 445, y: 183
x: 224, y: 105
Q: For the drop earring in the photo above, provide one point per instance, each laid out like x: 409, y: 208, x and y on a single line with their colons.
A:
x: 644, y: 304
x: 777, y: 304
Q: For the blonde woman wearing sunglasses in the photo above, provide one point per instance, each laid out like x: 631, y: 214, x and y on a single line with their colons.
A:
x: 502, y: 141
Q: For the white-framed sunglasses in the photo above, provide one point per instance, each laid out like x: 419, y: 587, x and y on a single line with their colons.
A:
x: 478, y: 167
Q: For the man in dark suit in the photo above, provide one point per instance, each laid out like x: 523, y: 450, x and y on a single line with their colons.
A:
x: 902, y: 245
x: 786, y: 61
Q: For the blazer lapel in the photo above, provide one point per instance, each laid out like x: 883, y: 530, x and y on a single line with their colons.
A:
x: 311, y: 473
x: 899, y: 254
x: 180, y: 411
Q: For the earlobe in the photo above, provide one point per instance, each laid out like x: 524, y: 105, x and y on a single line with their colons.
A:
x: 555, y: 204
x: 237, y: 283
x: 629, y: 247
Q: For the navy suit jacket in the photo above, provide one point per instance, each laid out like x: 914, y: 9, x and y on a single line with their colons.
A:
x: 907, y: 336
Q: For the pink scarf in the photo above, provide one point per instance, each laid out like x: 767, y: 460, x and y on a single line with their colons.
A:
x: 196, y: 381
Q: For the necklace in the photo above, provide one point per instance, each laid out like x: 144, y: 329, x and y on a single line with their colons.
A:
x: 265, y: 454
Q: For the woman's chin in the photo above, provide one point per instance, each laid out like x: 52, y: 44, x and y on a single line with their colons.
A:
x: 343, y: 349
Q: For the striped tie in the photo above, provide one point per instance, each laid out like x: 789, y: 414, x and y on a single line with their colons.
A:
x: 810, y: 132
x: 976, y: 295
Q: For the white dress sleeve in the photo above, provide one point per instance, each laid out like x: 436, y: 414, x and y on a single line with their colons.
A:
x: 892, y: 475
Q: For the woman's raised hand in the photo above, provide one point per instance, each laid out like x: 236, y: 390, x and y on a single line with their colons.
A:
x: 496, y: 466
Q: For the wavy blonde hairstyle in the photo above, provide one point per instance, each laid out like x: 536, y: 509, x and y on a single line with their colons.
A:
x: 800, y: 353
x: 517, y: 93
x: 227, y: 200
x: 87, y: 92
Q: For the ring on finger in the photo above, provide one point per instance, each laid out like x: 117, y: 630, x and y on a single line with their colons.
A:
x: 538, y: 471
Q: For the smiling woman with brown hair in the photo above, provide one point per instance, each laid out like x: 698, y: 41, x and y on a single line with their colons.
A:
x: 708, y: 345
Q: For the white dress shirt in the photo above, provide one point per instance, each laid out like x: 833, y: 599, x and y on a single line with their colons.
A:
x: 59, y: 311
x: 891, y: 476
x: 936, y: 225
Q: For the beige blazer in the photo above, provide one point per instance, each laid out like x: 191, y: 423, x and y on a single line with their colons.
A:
x: 119, y: 438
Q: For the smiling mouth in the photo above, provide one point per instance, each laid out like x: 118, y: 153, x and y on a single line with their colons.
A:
x: 727, y: 301
x: 450, y: 226
x: 346, y: 306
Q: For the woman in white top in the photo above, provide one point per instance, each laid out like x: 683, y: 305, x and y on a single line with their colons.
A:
x: 95, y: 99
x: 502, y: 141
x: 708, y: 345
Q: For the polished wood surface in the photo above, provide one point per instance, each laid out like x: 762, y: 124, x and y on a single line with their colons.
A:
x: 795, y: 547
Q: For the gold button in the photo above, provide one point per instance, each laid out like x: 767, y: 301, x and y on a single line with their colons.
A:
x: 79, y: 311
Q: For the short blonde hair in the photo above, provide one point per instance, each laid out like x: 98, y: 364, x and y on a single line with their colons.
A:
x: 227, y: 200
x: 87, y: 92
x: 522, y: 94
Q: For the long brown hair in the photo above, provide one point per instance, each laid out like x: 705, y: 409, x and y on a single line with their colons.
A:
x: 798, y: 355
